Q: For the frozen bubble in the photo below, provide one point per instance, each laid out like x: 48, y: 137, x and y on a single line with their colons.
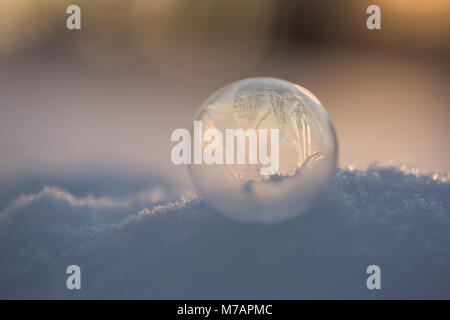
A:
x: 307, y: 150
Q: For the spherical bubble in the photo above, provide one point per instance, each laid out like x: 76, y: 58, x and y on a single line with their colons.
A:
x: 307, y: 150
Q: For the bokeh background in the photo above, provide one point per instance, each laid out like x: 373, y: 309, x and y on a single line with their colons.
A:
x: 91, y: 111
x: 111, y: 94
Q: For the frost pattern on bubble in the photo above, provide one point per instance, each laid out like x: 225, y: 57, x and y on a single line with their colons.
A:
x: 275, y: 102
x: 307, y: 149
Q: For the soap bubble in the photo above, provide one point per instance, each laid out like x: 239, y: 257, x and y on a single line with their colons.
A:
x: 307, y: 150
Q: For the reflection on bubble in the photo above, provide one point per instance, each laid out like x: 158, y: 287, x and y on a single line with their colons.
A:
x: 307, y: 150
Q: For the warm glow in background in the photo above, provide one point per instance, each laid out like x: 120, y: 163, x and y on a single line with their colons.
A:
x: 109, y: 96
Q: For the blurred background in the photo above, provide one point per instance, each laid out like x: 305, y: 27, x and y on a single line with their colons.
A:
x: 107, y: 97
x: 89, y: 112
